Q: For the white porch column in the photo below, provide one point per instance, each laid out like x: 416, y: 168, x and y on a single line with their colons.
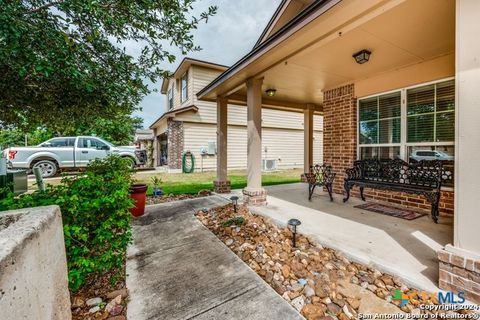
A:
x: 460, y: 262
x: 308, y: 137
x: 222, y: 184
x: 254, y: 193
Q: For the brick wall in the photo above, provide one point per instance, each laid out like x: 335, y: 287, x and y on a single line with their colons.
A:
x: 340, y: 150
x: 459, y: 274
x: 339, y: 131
x: 175, y: 144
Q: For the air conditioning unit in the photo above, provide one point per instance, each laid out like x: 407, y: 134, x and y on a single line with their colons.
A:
x: 269, y: 165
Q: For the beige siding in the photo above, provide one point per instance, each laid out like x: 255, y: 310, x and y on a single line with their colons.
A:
x: 284, y: 145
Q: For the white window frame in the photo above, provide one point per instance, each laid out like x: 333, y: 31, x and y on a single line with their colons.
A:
x: 182, y: 98
x: 403, y: 123
x: 170, y: 101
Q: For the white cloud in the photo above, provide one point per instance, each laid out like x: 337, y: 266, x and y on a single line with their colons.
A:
x: 227, y: 37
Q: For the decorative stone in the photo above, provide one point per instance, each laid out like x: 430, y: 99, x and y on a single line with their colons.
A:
x: 77, y: 302
x: 117, y: 300
x: 334, y: 308
x: 94, y: 309
x: 229, y: 242
x: 298, y: 303
x: 122, y: 292
x: 308, y: 291
x: 94, y: 301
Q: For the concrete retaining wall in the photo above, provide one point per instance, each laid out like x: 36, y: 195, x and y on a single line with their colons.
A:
x: 33, y: 266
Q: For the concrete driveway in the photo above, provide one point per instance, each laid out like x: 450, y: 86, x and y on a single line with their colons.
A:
x: 178, y: 269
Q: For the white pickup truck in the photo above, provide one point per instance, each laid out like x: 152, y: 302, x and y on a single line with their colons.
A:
x: 68, y: 153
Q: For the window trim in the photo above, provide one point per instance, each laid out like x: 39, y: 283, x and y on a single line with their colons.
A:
x: 404, y: 145
x: 170, y: 98
x: 185, y: 75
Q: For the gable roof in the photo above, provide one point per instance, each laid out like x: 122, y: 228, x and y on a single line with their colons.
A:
x: 286, y: 11
x: 183, y: 67
x: 172, y: 113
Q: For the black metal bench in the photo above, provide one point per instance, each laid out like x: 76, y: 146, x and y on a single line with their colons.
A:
x: 320, y: 175
x: 423, y: 178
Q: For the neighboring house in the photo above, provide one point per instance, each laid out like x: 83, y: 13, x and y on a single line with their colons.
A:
x: 144, y: 140
x: 191, y: 125
x: 392, y: 78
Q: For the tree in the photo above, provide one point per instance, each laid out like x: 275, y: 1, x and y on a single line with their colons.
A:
x: 64, y: 62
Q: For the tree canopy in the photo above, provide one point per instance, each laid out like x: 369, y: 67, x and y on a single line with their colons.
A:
x: 64, y: 62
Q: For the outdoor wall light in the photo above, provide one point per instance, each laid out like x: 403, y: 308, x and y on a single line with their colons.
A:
x: 362, y: 56
x: 293, y: 223
x: 234, y: 202
x: 271, y: 92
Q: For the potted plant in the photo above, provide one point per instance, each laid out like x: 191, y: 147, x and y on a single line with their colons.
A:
x: 157, y: 190
x: 138, y: 192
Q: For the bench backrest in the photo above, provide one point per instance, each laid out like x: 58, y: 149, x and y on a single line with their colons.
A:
x: 319, y: 173
x: 427, y: 173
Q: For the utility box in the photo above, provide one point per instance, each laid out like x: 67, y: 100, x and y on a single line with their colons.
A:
x: 16, y: 179
x: 212, y: 148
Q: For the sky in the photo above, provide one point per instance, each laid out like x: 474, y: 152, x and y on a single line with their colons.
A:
x: 227, y: 37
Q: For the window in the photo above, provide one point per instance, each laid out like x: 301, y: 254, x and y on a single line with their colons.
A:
x: 59, y: 143
x: 184, y: 87
x: 379, y: 127
x: 170, y: 98
x: 412, y: 124
x: 92, y: 143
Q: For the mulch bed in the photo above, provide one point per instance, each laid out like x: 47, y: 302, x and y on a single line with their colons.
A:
x: 176, y: 197
x: 309, y: 276
x: 113, y: 304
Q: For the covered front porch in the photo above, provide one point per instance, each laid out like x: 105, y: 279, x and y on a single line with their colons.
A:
x: 417, y: 91
x: 400, y: 247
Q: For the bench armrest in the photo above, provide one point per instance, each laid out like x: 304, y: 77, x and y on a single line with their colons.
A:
x: 353, y: 173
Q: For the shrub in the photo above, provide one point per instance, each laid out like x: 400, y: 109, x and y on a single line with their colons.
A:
x: 96, y: 221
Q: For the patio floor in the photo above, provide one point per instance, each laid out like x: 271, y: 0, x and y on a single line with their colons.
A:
x: 396, y: 246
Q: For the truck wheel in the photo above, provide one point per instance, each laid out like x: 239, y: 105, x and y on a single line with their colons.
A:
x: 48, y: 167
x: 131, y: 162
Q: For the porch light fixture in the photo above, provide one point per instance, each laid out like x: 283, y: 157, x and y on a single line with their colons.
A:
x: 234, y: 202
x: 362, y: 56
x: 293, y: 223
x: 271, y: 92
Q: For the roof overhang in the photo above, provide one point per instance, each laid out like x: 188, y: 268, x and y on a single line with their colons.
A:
x: 313, y: 53
x: 172, y: 113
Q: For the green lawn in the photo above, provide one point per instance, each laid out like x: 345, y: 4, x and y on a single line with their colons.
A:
x: 181, y: 183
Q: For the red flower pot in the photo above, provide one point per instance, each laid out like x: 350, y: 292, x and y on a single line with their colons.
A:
x: 138, y: 192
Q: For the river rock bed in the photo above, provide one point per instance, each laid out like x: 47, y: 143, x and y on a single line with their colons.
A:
x: 309, y: 276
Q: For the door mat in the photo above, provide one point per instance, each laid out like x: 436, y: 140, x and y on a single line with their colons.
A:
x: 391, y: 211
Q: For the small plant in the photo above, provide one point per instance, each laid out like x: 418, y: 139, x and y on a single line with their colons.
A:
x: 157, y: 181
x: 237, y: 221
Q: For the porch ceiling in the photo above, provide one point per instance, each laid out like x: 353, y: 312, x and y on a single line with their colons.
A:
x: 403, y: 33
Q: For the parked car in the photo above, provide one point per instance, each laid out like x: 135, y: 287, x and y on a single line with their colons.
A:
x: 69, y: 153
x: 419, y: 155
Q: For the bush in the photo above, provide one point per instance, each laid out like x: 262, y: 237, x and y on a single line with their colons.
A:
x: 96, y: 221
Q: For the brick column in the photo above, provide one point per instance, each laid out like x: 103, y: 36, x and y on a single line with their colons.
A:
x: 175, y: 144
x: 221, y: 183
x: 339, y: 131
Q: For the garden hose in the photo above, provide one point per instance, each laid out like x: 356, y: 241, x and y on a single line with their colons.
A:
x: 188, y: 162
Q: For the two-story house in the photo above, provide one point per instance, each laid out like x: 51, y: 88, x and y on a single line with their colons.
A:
x: 189, y: 124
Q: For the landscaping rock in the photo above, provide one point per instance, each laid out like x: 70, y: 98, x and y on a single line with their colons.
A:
x: 116, y: 301
x: 113, y: 294
x: 229, y: 242
x: 94, y: 309
x: 117, y: 318
x: 334, y: 308
x: 77, y: 302
x: 298, y: 303
x: 94, y: 301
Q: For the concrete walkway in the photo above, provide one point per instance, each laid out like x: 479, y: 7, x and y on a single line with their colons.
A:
x: 178, y: 269
x: 396, y: 246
